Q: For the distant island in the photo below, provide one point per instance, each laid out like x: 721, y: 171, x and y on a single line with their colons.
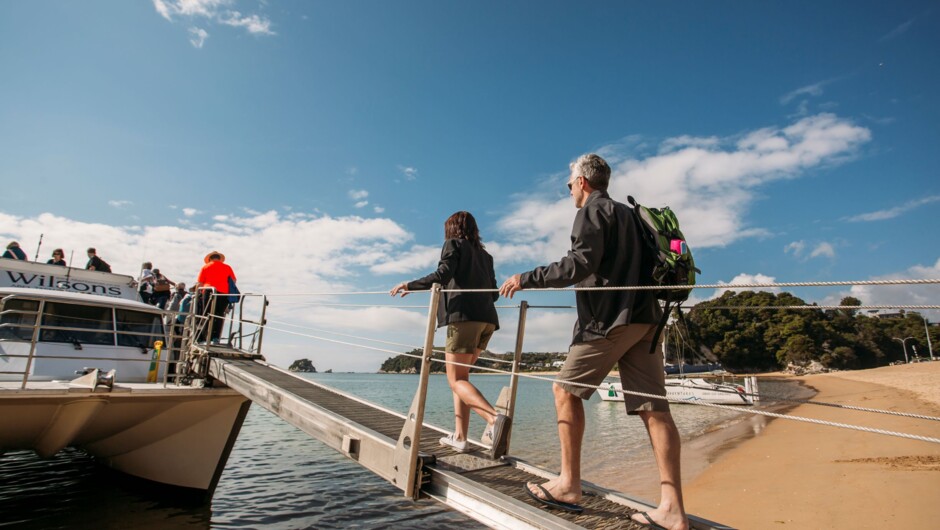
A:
x: 303, y: 365
x: 531, y: 362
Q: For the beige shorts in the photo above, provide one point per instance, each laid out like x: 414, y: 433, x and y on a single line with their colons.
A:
x: 467, y: 337
x: 627, y: 347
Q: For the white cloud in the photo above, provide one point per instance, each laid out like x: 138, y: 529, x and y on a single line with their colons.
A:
x: 891, y: 213
x: 417, y: 257
x: 796, y: 247
x: 163, y: 9
x: 410, y: 173
x: 253, y: 23
x: 378, y: 209
x: 358, y: 194
x: 710, y: 185
x: 211, y: 12
x: 374, y: 320
x: 307, y: 252
x: 745, y: 278
x: 815, y: 90
x: 545, y: 330
x: 361, y: 204
x: 189, y: 212
x: 823, y: 249
x: 673, y: 144
x: 199, y: 37
x: 927, y: 294
x: 898, y: 30
x: 119, y: 203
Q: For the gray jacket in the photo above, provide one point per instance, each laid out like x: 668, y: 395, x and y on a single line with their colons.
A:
x: 606, y: 250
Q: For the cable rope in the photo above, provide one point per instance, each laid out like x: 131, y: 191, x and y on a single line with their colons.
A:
x: 756, y: 412
x: 388, y: 342
x: 728, y: 286
x: 849, y: 307
x: 640, y: 394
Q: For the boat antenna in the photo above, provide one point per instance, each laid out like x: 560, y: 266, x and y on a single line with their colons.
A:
x: 68, y: 273
x: 39, y: 246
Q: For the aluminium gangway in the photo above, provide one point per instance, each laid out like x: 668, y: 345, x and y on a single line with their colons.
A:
x: 382, y: 441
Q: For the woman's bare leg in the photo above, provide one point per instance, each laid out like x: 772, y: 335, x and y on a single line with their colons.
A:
x: 466, y: 396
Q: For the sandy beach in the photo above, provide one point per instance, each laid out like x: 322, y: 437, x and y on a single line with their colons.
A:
x: 799, y: 475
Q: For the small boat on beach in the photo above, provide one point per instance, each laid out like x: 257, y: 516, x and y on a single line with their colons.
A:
x: 82, y: 365
x: 700, y: 390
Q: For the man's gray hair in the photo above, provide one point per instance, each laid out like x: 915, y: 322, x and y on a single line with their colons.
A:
x: 594, y: 169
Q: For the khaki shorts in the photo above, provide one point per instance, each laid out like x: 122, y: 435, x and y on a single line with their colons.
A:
x: 468, y: 337
x: 627, y: 347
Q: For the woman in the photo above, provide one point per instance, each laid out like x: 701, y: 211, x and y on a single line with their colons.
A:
x: 162, y: 287
x: 471, y: 320
x: 145, y: 283
x: 58, y: 258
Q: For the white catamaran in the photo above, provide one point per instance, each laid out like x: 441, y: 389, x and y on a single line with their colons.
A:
x: 81, y: 366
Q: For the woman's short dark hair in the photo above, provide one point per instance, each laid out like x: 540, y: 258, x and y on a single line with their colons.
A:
x: 462, y: 225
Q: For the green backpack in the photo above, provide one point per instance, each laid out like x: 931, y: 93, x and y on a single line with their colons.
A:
x: 673, y: 264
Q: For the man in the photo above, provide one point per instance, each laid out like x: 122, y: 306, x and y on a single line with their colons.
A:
x: 95, y: 263
x: 216, y: 274
x: 613, y: 328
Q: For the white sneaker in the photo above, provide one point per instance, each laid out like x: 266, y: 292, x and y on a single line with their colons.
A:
x: 461, y: 446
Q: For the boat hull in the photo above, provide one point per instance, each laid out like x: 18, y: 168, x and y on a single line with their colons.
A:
x: 171, y: 435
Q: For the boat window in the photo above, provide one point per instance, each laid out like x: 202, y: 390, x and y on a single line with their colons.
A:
x: 136, y: 328
x: 77, y: 318
x: 15, y: 325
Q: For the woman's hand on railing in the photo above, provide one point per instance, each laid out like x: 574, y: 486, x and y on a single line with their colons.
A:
x: 400, y: 288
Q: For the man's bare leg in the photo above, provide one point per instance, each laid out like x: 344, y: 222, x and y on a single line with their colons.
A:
x: 570, y: 411
x: 666, y: 447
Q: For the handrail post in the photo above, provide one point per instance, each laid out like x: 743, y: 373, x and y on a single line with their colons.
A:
x: 516, y: 361
x: 409, y: 441
x: 264, y: 311
x: 33, y: 342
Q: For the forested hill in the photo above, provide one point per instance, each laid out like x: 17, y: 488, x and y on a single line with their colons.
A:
x: 751, y: 340
x: 768, y: 339
x: 531, y: 362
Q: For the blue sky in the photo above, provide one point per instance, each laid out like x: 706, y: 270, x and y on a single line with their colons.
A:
x: 322, y: 145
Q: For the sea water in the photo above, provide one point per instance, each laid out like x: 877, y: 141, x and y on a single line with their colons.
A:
x: 279, y: 477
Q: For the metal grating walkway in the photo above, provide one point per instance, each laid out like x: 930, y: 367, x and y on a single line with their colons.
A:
x: 369, y: 434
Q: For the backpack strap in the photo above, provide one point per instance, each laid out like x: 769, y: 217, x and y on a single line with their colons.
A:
x: 660, y: 327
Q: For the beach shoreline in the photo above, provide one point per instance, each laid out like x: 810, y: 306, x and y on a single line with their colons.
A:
x: 802, y: 475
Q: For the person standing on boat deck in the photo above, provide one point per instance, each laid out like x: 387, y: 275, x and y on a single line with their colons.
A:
x: 216, y: 274
x: 612, y: 328
x: 58, y: 258
x: 95, y: 263
x: 145, y: 283
x: 14, y: 252
x: 471, y: 320
x: 161, y: 289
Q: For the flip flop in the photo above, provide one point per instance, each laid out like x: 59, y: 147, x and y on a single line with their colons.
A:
x: 650, y: 523
x: 551, y: 502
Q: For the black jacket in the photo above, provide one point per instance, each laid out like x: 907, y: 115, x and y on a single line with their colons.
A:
x: 99, y: 264
x: 606, y: 250
x: 463, y: 266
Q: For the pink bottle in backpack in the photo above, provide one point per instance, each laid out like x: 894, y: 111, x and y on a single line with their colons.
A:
x: 677, y: 246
